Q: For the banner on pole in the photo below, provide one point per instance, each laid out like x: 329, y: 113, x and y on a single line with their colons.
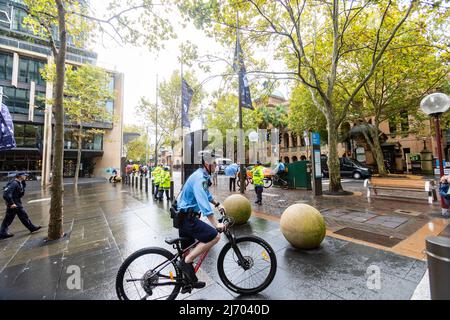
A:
x: 239, y: 67
x: 187, y: 94
x: 7, y: 141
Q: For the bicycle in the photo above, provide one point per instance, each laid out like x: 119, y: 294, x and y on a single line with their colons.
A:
x: 276, y: 179
x: 267, y: 182
x: 241, y: 270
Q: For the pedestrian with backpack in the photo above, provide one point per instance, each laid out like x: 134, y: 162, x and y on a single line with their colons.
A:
x: 12, y: 194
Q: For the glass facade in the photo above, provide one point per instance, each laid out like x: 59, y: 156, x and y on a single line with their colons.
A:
x: 6, y: 66
x: 18, y: 100
x: 30, y: 70
x: 28, y: 135
x: 91, y: 141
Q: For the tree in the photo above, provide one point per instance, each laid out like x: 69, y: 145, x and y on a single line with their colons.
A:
x: 414, y: 66
x: 86, y: 95
x: 44, y: 17
x: 316, y: 39
x: 224, y: 116
x: 170, y: 111
x: 55, y: 20
x: 303, y: 115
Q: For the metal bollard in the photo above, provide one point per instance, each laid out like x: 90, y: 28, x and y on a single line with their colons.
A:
x: 172, y: 190
x: 438, y: 256
x: 141, y: 180
x: 137, y: 181
x: 153, y: 187
x: 146, y: 183
x: 132, y: 180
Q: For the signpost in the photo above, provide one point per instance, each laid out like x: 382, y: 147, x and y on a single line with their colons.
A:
x: 316, y: 164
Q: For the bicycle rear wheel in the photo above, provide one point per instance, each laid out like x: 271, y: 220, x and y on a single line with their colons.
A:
x: 256, y: 275
x: 142, y: 274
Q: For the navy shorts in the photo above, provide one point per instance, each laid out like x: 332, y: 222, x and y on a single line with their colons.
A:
x: 197, y: 230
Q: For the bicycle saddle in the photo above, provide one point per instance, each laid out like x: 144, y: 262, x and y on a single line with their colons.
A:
x: 172, y: 241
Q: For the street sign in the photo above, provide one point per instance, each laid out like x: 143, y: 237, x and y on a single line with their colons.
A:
x: 316, y: 164
x: 316, y: 139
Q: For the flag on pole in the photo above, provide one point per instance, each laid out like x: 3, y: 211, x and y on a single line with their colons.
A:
x: 186, y: 97
x: 239, y: 67
x: 7, y: 141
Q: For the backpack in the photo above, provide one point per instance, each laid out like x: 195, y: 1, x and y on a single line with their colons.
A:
x: 6, y: 187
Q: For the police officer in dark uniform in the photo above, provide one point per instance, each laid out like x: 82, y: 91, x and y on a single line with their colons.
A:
x: 12, y: 195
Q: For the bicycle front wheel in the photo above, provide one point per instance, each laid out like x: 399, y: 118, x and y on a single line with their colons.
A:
x: 148, y: 274
x: 268, y: 183
x: 258, y: 270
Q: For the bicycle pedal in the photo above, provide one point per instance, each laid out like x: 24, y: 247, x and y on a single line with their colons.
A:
x: 186, y: 289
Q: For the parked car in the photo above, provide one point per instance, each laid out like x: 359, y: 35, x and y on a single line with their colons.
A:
x: 223, y: 163
x: 349, y: 168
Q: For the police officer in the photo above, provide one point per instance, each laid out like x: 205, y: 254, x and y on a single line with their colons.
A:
x: 13, y: 194
x: 164, y: 184
x: 195, y: 200
x: 157, y: 172
x: 258, y: 181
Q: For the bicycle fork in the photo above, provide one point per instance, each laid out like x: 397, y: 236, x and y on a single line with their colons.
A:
x: 242, y: 262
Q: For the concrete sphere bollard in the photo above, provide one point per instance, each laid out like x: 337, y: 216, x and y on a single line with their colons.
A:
x: 303, y: 226
x: 239, y: 208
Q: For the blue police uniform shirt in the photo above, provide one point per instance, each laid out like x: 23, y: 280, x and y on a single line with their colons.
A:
x: 195, y: 194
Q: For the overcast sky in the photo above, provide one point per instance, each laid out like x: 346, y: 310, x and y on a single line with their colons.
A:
x: 141, y: 67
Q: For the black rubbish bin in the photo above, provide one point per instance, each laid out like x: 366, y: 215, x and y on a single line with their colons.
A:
x: 438, y: 254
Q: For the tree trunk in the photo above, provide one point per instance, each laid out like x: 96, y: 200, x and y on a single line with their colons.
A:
x: 377, y: 151
x: 334, y: 166
x: 55, y: 228
x: 77, y: 170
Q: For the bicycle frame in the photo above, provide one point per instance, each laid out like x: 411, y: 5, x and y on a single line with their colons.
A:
x: 185, y: 252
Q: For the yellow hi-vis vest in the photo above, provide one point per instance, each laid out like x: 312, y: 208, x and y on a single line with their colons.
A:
x: 258, y: 176
x: 157, y: 175
x: 165, y: 180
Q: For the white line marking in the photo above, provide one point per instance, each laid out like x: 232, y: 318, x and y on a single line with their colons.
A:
x: 39, y: 200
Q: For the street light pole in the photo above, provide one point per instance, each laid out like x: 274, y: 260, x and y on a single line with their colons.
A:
x: 435, y: 105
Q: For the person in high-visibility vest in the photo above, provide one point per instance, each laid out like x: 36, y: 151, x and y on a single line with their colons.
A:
x: 258, y: 181
x: 157, y: 180
x: 164, y: 184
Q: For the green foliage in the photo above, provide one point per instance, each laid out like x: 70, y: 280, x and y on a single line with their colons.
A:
x: 225, y: 115
x: 303, y: 115
x: 42, y: 20
x: 276, y: 117
x: 138, y: 149
x: 86, y: 93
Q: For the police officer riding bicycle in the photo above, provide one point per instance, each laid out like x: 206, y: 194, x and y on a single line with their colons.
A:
x: 194, y: 201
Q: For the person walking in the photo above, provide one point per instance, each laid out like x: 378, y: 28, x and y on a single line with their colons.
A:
x: 258, y: 181
x: 216, y: 173
x: 13, y: 193
x: 164, y: 185
x: 157, y: 180
x: 233, y: 180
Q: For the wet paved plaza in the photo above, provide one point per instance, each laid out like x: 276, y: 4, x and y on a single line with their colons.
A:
x: 107, y: 223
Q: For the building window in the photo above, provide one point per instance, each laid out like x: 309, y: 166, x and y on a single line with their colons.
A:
x: 294, y: 140
x: 90, y: 141
x: 19, y: 16
x: 27, y: 135
x: 405, y: 124
x: 393, y: 127
x: 18, y: 101
x: 286, y: 140
x: 5, y: 15
x: 6, y: 66
x: 30, y: 70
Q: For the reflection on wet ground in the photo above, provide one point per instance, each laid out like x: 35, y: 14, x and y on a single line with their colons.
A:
x: 106, y: 223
